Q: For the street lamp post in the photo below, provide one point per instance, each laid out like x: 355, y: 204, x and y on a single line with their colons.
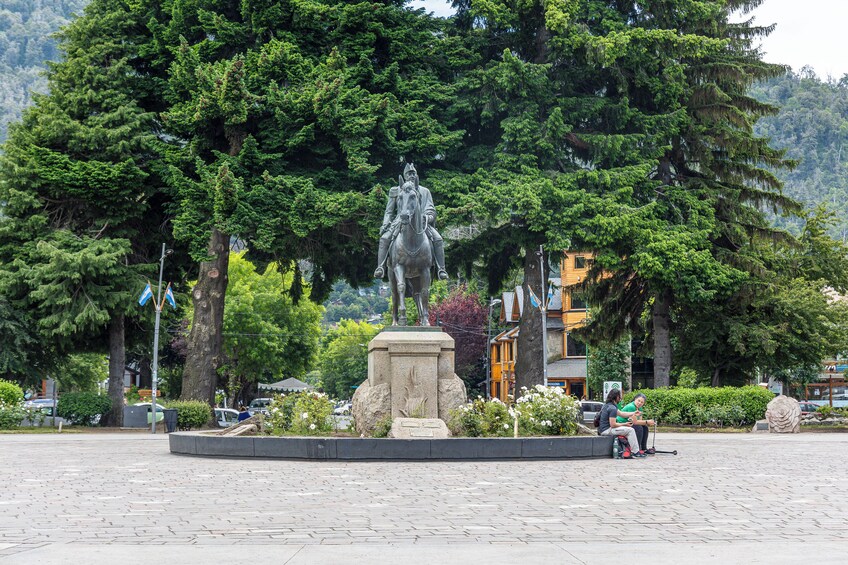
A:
x: 492, y: 302
x: 544, y: 310
x: 158, y: 308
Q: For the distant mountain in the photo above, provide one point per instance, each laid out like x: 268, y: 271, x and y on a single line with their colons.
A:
x: 813, y: 128
x: 26, y: 42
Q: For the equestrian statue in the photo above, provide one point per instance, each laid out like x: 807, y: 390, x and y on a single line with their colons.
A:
x: 409, y: 245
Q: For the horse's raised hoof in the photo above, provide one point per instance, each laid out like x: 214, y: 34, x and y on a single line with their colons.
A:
x: 443, y: 274
x: 379, y: 274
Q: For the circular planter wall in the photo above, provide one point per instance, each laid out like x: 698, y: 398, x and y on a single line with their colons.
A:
x: 365, y: 449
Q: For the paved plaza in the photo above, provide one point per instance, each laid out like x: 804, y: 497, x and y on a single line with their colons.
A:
x: 124, y: 498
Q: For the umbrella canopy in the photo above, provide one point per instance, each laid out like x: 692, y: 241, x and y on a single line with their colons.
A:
x: 286, y: 385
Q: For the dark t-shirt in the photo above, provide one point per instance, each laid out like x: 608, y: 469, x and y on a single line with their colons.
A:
x: 609, y: 410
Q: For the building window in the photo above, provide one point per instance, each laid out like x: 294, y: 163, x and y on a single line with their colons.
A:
x: 577, y: 301
x: 579, y: 262
x: 574, y: 347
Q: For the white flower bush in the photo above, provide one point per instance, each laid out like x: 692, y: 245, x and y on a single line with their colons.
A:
x: 547, y: 411
x: 540, y: 411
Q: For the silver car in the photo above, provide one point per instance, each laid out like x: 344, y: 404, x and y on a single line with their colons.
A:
x: 588, y: 408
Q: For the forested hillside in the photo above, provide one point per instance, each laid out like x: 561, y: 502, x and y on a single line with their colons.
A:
x: 813, y: 127
x: 26, y: 27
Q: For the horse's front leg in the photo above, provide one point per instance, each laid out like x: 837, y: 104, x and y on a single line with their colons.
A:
x: 401, y: 293
x: 395, y: 300
x: 424, y: 298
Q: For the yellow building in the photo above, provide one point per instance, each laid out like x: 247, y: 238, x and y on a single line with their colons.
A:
x: 567, y: 363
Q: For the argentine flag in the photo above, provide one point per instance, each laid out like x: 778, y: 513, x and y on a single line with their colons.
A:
x: 169, y: 296
x: 533, y: 300
x: 146, y: 295
x: 550, y: 294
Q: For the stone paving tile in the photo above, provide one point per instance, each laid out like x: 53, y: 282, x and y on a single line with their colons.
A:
x: 119, y: 488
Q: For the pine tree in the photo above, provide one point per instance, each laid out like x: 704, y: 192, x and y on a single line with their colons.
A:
x: 292, y: 114
x: 80, y: 192
x: 713, y: 178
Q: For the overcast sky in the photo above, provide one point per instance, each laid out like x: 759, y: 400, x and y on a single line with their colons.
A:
x: 809, y: 32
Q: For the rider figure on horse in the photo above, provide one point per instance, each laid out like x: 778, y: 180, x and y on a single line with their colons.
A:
x: 391, y: 224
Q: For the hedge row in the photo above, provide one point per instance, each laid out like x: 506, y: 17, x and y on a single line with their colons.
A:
x: 82, y: 408
x: 725, y: 405
x: 191, y: 413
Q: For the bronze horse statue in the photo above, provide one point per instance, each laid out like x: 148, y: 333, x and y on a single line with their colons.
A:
x: 410, y: 259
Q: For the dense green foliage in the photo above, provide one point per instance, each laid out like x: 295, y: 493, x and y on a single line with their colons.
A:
x: 191, y: 413
x: 267, y: 336
x: 607, y: 362
x: 82, y: 408
x: 344, y: 357
x: 81, y: 372
x: 699, y: 406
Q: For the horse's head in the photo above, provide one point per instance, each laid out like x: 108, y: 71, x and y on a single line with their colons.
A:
x: 407, y: 202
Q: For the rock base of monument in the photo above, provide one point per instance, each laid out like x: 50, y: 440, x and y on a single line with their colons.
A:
x: 410, y: 375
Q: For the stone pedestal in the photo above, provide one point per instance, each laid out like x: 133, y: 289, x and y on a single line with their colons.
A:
x: 410, y: 375
x: 419, y: 428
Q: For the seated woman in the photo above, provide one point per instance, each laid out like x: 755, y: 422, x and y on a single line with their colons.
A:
x: 610, y: 426
x: 639, y: 426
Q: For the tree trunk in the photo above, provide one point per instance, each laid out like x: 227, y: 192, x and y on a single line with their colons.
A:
x: 528, y: 363
x: 117, y: 362
x: 716, y: 380
x: 662, y: 340
x: 200, y: 376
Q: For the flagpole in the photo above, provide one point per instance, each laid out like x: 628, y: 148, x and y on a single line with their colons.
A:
x: 544, y: 310
x: 153, y: 381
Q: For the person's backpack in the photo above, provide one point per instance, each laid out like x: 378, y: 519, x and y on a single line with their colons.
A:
x: 597, y: 420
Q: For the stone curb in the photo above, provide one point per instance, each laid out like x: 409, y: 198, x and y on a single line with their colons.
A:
x: 371, y: 449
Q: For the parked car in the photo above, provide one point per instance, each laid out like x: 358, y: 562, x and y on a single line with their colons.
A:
x: 588, y: 409
x: 259, y: 405
x: 44, y: 405
x: 226, y: 417
x: 807, y: 407
x: 342, y: 409
x: 159, y: 408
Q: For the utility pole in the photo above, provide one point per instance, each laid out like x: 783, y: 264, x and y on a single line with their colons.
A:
x: 544, y: 309
x: 158, y: 307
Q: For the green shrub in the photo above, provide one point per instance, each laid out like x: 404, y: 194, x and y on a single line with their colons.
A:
x: 10, y: 393
x: 82, y: 408
x: 191, y: 413
x: 281, y: 411
x: 382, y: 427
x: 312, y: 411
x: 11, y: 415
x: 825, y: 411
x: 480, y: 418
x: 722, y: 406
x: 302, y: 413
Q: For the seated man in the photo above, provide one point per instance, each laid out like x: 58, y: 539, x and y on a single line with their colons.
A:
x: 609, y: 424
x: 639, y: 426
